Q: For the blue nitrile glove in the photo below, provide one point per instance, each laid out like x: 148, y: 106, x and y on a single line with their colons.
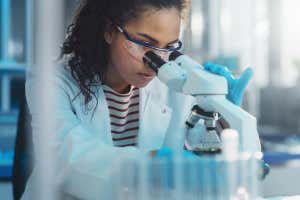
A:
x: 236, y: 86
x: 167, y: 175
x: 193, y: 178
x: 265, y: 169
x: 166, y: 152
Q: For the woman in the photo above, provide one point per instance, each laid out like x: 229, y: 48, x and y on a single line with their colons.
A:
x: 110, y: 103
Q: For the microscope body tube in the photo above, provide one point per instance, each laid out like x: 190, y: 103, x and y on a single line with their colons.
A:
x: 168, y: 72
x: 199, y: 81
x: 185, y: 75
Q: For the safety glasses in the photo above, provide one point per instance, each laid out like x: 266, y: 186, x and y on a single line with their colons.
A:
x: 138, y: 48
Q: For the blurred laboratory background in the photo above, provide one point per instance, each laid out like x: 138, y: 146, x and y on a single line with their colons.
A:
x: 262, y: 34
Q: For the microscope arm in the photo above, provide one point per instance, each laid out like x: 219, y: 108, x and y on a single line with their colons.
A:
x: 237, y: 118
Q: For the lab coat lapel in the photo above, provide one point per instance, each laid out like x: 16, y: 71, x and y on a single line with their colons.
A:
x: 100, y: 119
x: 155, y: 117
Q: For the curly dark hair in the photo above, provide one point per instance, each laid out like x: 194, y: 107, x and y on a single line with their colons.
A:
x: 85, y: 44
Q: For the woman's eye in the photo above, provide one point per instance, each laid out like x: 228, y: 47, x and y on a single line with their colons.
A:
x: 147, y: 43
x: 171, y: 46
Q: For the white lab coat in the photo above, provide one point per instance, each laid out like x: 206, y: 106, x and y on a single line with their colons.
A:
x: 83, y: 144
x: 82, y: 140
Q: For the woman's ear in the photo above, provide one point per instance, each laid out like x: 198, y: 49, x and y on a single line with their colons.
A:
x: 108, y: 37
x: 109, y: 32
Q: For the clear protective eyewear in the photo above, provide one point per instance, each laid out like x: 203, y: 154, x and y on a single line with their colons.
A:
x: 138, y: 48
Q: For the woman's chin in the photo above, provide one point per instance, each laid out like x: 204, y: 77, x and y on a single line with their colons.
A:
x: 142, y: 84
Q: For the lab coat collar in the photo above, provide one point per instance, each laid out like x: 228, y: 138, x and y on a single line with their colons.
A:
x: 155, y: 116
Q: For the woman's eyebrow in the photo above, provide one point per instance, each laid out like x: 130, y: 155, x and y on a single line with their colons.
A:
x: 153, y: 39
x: 173, y: 41
x: 148, y: 37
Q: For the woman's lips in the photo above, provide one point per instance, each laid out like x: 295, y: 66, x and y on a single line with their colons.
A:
x: 146, y: 76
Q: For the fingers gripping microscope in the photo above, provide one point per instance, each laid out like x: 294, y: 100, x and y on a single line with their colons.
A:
x: 184, y: 75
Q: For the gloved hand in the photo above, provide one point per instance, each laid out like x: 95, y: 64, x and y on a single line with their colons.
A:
x: 265, y: 169
x: 163, y: 172
x: 197, y: 170
x: 166, y: 152
x: 236, y: 86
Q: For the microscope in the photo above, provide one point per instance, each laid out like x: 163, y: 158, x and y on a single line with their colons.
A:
x: 184, y: 75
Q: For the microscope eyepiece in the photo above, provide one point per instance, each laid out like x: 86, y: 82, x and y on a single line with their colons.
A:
x: 174, y: 55
x: 153, y: 60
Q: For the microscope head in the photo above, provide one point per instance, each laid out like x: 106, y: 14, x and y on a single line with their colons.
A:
x: 185, y: 75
